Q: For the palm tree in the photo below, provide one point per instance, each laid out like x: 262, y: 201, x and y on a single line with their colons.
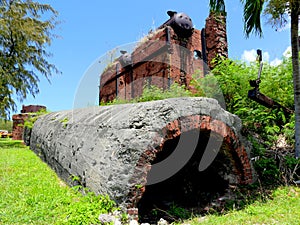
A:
x: 217, y: 6
x: 215, y: 31
x: 277, y: 9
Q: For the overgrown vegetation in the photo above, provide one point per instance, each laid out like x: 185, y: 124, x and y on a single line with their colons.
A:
x: 29, y: 122
x: 152, y: 93
x: 277, y: 83
x: 271, y: 131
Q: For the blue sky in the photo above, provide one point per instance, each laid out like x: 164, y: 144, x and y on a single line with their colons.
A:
x: 91, y: 28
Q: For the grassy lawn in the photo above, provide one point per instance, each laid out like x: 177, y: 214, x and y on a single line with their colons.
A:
x: 31, y: 193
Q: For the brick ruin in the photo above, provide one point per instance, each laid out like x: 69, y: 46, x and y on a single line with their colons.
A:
x: 166, y: 55
x: 19, y: 119
x: 153, y: 63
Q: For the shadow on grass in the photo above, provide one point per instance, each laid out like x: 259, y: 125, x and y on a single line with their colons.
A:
x: 8, y: 143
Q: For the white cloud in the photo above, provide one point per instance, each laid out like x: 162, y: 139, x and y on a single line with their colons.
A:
x: 288, y: 52
x: 276, y: 62
x: 250, y: 56
x: 266, y: 56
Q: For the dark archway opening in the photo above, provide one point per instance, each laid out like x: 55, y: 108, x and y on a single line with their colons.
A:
x: 188, y: 191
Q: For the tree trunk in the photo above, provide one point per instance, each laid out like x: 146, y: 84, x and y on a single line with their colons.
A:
x: 296, y: 71
x: 216, y: 37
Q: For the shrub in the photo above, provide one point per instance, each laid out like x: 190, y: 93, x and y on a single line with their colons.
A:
x: 267, y: 169
x: 276, y: 82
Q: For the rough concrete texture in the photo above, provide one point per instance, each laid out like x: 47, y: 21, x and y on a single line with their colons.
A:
x: 111, y: 148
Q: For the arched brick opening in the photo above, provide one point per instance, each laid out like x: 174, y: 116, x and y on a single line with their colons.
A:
x: 189, y: 187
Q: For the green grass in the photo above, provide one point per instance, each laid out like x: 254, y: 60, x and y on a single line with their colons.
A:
x: 31, y: 193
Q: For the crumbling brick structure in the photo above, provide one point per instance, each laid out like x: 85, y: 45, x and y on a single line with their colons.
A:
x: 159, y: 61
x: 19, y: 119
x: 18, y: 126
x: 165, y: 56
x: 169, y: 54
x: 32, y: 108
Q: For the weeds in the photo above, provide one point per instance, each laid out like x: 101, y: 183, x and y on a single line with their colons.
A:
x: 153, y: 93
x: 29, y: 122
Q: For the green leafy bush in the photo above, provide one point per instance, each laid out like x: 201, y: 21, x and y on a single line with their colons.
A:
x: 267, y: 170
x: 178, y: 212
x: 276, y: 82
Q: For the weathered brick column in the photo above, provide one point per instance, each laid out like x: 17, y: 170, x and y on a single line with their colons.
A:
x: 113, y: 149
x: 18, y: 126
x: 19, y: 120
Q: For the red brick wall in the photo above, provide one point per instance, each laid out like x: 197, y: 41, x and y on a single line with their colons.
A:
x: 154, y: 70
x: 32, y: 108
x: 18, y: 122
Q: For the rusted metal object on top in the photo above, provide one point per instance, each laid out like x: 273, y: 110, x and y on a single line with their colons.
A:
x: 180, y: 22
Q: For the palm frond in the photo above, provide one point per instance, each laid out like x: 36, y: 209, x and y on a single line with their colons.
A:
x: 217, y: 6
x: 252, y: 12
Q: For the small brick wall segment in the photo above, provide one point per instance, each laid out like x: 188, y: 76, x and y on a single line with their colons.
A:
x: 18, y: 122
x: 111, y: 148
x: 32, y: 108
x: 19, y: 119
